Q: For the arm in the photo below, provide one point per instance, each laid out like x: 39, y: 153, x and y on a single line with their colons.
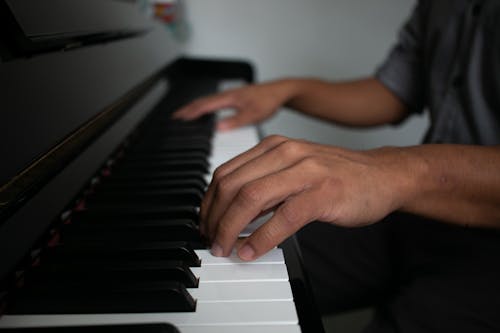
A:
x: 364, y: 102
x: 304, y: 182
x: 458, y: 184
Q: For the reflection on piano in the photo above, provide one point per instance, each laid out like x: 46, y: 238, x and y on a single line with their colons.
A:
x: 100, y: 188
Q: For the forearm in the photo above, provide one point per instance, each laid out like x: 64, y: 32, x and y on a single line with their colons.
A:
x: 364, y: 102
x: 454, y: 183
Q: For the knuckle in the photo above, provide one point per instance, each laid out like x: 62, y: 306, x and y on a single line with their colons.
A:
x: 224, y: 185
x: 219, y: 174
x: 291, y: 148
x: 312, y: 164
x: 250, y: 195
x: 291, y: 215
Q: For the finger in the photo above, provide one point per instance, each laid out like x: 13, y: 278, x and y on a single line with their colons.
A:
x: 272, y: 161
x: 204, y: 233
x: 290, y: 217
x: 262, y: 147
x: 226, y: 168
x: 250, y: 201
x: 204, y: 105
x: 229, y: 123
x: 238, y: 120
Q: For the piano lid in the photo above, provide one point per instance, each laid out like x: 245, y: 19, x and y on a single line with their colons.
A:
x: 39, y: 20
x: 40, y: 26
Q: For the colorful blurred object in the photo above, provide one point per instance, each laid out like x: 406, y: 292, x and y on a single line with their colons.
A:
x: 165, y: 11
x: 171, y: 12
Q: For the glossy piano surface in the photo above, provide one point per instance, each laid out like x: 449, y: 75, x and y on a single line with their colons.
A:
x: 99, y: 190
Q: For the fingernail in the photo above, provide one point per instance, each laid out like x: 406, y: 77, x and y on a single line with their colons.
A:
x: 246, y: 253
x: 216, y: 250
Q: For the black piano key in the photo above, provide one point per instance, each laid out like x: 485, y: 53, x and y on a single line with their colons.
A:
x: 94, y: 273
x: 144, y: 209
x: 117, y: 175
x: 142, y: 200
x: 156, y: 138
x: 200, y: 165
x: 116, y: 297
x: 170, y: 127
x: 167, y: 124
x: 184, y: 141
x: 131, y: 328
x: 113, y: 185
x: 102, y: 229
x: 158, y: 156
x: 174, y: 216
x: 164, y: 123
x: 134, y: 212
x: 161, y: 133
x: 113, y: 251
x: 179, y: 228
x: 174, y: 197
x: 201, y: 146
x: 135, y: 193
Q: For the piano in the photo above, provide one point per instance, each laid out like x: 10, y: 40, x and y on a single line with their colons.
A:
x: 99, y: 187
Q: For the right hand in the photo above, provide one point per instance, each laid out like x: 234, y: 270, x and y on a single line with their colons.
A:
x: 302, y: 182
x: 253, y: 104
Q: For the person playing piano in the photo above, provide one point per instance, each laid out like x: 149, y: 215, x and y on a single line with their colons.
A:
x: 423, y: 240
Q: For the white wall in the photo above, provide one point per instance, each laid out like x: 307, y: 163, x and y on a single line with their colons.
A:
x: 330, y: 39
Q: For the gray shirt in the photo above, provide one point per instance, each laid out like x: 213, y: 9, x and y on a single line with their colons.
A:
x: 447, y: 59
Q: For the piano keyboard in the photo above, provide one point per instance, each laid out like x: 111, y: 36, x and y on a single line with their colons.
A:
x: 226, y: 294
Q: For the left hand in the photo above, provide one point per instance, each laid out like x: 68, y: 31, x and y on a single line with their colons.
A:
x: 302, y: 182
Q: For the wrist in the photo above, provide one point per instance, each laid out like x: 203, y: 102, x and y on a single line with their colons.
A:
x: 405, y: 175
x: 287, y: 89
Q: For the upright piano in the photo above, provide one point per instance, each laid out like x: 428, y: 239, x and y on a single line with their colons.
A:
x: 100, y: 188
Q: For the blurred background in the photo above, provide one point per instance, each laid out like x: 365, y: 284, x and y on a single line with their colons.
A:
x: 330, y: 39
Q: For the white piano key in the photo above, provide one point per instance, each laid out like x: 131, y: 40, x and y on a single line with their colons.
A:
x: 254, y: 225
x: 242, y: 291
x: 241, y: 272
x: 223, y: 313
x: 228, y: 144
x: 275, y: 256
x: 232, y: 143
x: 241, y: 329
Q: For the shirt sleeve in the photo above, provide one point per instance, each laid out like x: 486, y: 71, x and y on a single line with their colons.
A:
x: 403, y: 70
